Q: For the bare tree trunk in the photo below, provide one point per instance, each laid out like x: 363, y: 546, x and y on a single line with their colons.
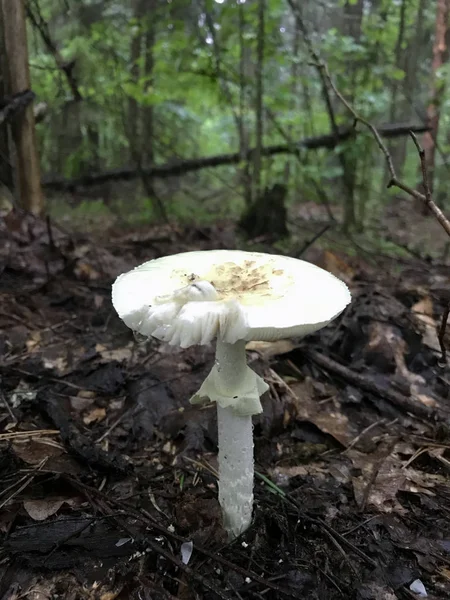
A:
x: 393, y: 147
x: 411, y: 62
x: 438, y: 85
x: 259, y: 104
x: 6, y: 175
x: 243, y: 133
x: 134, y: 111
x: 23, y: 127
x: 141, y: 121
x: 353, y: 12
x: 294, y: 93
x: 221, y: 78
x: 148, y: 150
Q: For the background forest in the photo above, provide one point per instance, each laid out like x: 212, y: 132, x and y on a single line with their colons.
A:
x: 122, y: 86
x: 132, y: 130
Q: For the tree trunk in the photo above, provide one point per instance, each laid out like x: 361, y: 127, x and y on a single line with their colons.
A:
x: 398, y: 105
x: 294, y: 94
x: 148, y: 150
x: 6, y: 175
x: 244, y: 172
x: 433, y: 112
x: 28, y: 172
x: 259, y: 105
x: 134, y: 113
x: 412, y: 57
x: 141, y: 118
x: 353, y: 14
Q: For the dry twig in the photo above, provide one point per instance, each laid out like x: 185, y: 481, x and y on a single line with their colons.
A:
x: 441, y: 333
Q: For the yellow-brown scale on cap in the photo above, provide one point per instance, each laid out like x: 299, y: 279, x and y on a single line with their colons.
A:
x: 244, y: 282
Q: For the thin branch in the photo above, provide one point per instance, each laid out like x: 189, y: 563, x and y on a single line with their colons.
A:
x: 324, y: 73
x: 426, y: 198
x: 394, y: 181
x: 67, y: 67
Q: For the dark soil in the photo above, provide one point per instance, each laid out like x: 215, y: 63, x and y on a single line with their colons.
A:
x: 107, y: 474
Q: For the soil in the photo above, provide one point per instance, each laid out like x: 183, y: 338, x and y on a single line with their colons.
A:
x: 108, y: 485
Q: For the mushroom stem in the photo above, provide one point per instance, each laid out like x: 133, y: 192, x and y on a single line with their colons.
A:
x: 236, y: 389
x: 235, y: 470
x: 235, y: 431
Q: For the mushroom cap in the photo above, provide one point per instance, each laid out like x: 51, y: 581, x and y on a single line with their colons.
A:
x: 194, y: 297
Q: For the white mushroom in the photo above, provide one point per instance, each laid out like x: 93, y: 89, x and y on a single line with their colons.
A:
x: 233, y: 297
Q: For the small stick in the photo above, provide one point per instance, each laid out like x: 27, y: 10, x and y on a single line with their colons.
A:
x: 6, y: 403
x: 441, y: 333
x: 423, y: 167
x: 363, y: 432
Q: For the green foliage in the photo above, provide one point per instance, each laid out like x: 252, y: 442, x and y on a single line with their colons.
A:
x: 187, y: 80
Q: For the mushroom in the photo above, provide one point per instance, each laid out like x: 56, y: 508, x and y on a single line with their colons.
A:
x: 234, y: 297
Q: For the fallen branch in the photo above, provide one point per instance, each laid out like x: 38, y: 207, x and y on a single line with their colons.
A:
x: 330, y: 140
x: 367, y: 384
x: 78, y: 444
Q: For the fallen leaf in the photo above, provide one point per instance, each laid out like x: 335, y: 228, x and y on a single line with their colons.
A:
x: 110, y: 595
x: 7, y: 517
x: 88, y: 394
x: 336, y: 265
x: 80, y: 404
x: 39, y: 510
x: 33, y: 341
x: 86, y: 272
x: 119, y: 354
x: 382, y: 477
x: 94, y: 416
x: 57, y: 364
x: 35, y: 450
x: 327, y: 417
x: 423, y: 313
x: 98, y: 301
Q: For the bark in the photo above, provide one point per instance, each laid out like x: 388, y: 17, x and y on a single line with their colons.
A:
x: 437, y: 90
x: 353, y: 13
x: 23, y: 128
x: 148, y: 116
x: 133, y: 105
x: 412, y: 57
x: 220, y: 74
x: 329, y: 141
x: 294, y: 95
x: 244, y: 174
x: 398, y: 158
x: 259, y: 116
x: 141, y: 118
x: 6, y: 175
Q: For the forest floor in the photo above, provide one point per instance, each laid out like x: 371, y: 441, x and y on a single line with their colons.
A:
x: 108, y: 475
